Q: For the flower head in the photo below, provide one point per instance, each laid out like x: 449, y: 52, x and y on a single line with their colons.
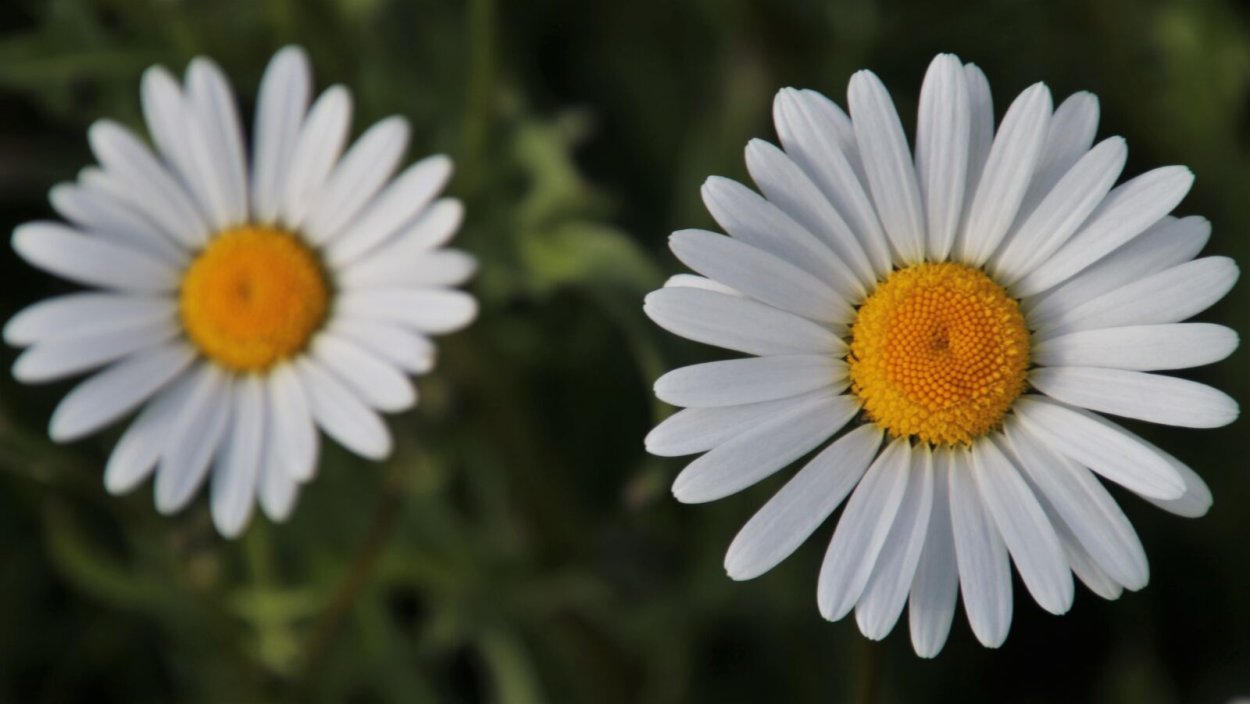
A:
x: 241, y: 304
x: 942, y: 329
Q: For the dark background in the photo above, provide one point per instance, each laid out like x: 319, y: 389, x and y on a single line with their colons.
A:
x: 521, y: 547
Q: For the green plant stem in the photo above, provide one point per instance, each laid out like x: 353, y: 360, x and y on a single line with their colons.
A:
x: 481, y: 90
x: 355, y: 580
x: 868, y: 673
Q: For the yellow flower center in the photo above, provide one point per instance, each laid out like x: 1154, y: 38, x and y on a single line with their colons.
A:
x: 938, y: 352
x: 253, y: 297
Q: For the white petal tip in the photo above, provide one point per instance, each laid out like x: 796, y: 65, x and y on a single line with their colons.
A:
x: 291, y: 52
x: 378, y: 454
x: 946, y: 61
x: 992, y: 643
x: 153, y: 74
x: 231, y: 528
x: 62, y: 431
x: 737, y: 572
x: 683, y: 492
x: 650, y: 445
x: 712, y: 185
x: 116, y: 486
x: 166, y: 506
x: 442, y: 162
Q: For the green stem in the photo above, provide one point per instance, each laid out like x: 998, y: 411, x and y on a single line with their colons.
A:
x: 481, y: 88
x: 868, y: 673
x: 356, y: 578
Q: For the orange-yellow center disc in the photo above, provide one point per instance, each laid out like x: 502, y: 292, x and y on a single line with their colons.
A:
x: 253, y: 297
x: 938, y: 352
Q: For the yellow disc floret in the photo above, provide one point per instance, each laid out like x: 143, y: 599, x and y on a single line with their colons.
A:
x: 253, y: 297
x: 938, y: 352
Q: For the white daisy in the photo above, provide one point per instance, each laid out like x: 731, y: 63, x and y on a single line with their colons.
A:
x: 242, y: 306
x: 953, y: 320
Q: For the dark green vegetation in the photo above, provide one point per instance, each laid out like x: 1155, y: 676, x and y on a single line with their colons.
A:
x: 520, y: 546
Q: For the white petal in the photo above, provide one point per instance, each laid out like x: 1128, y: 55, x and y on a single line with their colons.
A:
x: 432, y: 229
x: 1125, y: 213
x: 1151, y: 397
x: 786, y: 185
x: 77, y: 352
x: 139, y: 449
x: 931, y: 607
x: 280, y: 107
x: 233, y: 491
x: 195, y: 434
x: 981, y: 555
x: 276, y: 488
x: 886, y: 593
x: 356, y: 179
x: 1196, y: 500
x: 211, y: 104
x: 82, y: 313
x: 99, y: 213
x: 395, y: 207
x: 888, y: 164
x: 732, y: 382
x: 113, y: 186
x: 433, y: 311
x: 1166, y: 244
x: 980, y: 128
x: 942, y: 147
x: 320, y: 141
x: 341, y: 414
x: 747, y: 216
x: 1029, y: 537
x: 165, y: 112
x: 1068, y: 138
x: 794, y: 512
x: 119, y: 389
x: 1139, y: 347
x: 1100, y: 445
x: 1084, y: 567
x: 148, y: 185
x: 695, y: 281
x: 696, y: 430
x: 1062, y: 211
x: 373, y: 380
x: 412, y: 352
x: 293, y: 438
x: 818, y: 136
x: 862, y: 531
x: 830, y: 120
x: 760, y: 275
x: 763, y: 449
x: 439, y: 268
x: 735, y: 323
x: 186, y: 130
x: 92, y: 261
x: 1084, y: 506
x: 1169, y: 296
x: 1008, y: 169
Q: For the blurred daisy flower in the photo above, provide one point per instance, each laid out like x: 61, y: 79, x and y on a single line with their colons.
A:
x: 243, y: 303
x: 956, y: 320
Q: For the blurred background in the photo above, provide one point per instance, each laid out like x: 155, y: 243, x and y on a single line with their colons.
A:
x: 520, y: 546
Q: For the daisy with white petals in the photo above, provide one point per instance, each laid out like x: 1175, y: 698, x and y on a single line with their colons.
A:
x: 941, y: 329
x: 241, y: 304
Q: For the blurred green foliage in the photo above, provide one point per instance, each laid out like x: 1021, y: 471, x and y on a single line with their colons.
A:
x: 520, y: 546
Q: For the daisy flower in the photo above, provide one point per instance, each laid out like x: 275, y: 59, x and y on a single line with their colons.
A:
x: 241, y: 304
x: 941, y: 331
